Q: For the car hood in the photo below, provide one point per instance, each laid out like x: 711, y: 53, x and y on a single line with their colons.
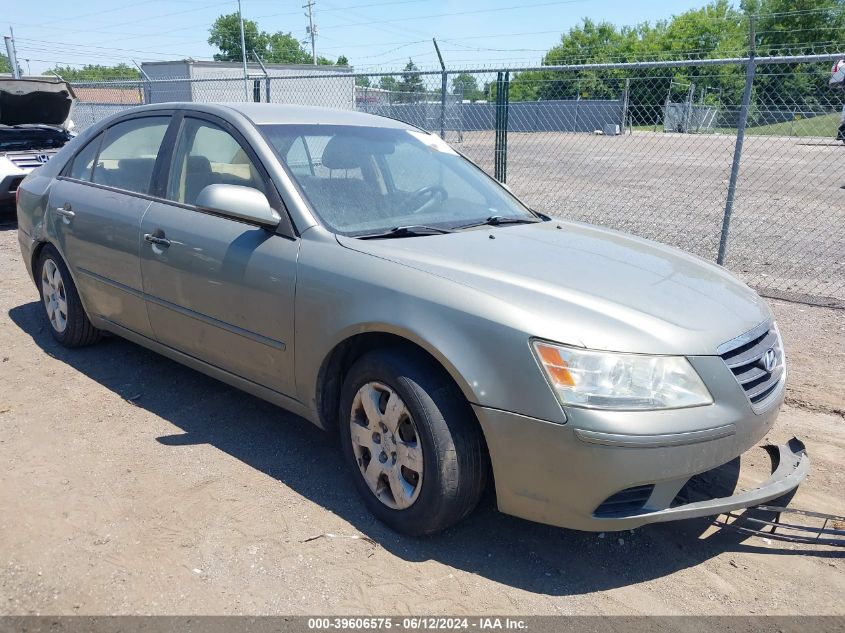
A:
x: 35, y: 102
x: 584, y: 285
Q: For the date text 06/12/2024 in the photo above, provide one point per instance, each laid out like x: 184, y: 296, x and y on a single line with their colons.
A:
x: 417, y: 623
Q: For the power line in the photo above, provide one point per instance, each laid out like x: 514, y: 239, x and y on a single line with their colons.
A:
x: 457, y: 13
x: 401, y: 30
x: 54, y: 46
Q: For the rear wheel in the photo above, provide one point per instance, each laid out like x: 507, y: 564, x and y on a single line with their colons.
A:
x: 68, y: 322
x: 410, y: 438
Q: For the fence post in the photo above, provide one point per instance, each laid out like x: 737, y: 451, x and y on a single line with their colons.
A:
x: 500, y: 153
x: 625, y: 97
x: 443, y: 88
x: 750, y: 71
x: 507, y: 100
x: 497, y: 126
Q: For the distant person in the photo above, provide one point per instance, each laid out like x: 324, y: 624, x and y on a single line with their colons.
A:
x: 837, y: 81
x: 840, y: 135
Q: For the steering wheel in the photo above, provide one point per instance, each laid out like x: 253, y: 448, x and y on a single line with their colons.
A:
x: 422, y: 199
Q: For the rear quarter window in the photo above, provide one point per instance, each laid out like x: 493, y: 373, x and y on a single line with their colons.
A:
x: 128, y: 153
x: 83, y: 162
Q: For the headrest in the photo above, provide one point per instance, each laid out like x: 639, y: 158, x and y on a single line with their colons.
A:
x: 199, y: 164
x: 136, y: 163
x: 343, y: 152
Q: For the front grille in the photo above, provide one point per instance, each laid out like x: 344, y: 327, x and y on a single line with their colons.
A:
x: 626, y: 502
x: 30, y: 160
x: 747, y: 357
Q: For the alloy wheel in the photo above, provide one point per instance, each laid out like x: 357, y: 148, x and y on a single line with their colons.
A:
x: 55, y: 298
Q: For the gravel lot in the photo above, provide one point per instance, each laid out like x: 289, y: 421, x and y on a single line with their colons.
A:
x: 130, y: 484
x: 787, y: 227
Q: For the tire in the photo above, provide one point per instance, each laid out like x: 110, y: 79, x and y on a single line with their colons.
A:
x: 66, y: 317
x: 439, y: 432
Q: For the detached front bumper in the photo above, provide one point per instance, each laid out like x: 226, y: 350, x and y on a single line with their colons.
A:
x: 564, y: 475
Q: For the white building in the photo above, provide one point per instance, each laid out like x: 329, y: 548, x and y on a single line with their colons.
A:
x: 188, y: 80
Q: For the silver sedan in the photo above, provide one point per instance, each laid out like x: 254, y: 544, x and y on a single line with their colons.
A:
x: 363, y: 274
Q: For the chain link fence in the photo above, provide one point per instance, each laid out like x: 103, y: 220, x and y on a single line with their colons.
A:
x: 735, y: 160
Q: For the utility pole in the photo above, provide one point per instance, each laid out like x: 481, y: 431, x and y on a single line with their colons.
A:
x: 13, y: 57
x: 311, y: 32
x: 243, y: 51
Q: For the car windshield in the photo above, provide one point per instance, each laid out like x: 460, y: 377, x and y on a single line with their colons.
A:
x: 369, y: 180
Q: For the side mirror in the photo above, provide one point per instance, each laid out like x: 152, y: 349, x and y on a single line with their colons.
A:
x: 244, y: 203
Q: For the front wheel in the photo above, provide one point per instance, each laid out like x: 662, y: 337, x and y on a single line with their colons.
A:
x: 69, y: 324
x: 410, y: 438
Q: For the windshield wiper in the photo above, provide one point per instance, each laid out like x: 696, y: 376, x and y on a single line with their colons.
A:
x: 498, y: 220
x: 413, y: 230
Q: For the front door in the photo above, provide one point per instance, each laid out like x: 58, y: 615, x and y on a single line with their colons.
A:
x: 96, y: 208
x: 217, y: 288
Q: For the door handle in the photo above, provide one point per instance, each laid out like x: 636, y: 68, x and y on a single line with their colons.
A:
x: 155, y: 239
x: 65, y: 211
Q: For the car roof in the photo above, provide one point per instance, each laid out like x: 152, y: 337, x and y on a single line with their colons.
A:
x: 281, y: 114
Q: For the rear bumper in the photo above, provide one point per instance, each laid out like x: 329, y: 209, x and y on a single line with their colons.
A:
x: 562, y: 474
x: 27, y: 245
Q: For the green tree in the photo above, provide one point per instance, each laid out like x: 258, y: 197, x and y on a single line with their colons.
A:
x: 411, y: 83
x: 362, y: 81
x: 388, y: 82
x: 715, y: 30
x: 5, y: 66
x: 95, y: 72
x: 225, y: 34
x: 342, y: 61
x: 284, y: 48
x: 796, y: 27
x: 466, y: 86
x: 274, y: 48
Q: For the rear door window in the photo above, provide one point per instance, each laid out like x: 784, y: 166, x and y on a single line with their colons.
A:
x: 129, y: 152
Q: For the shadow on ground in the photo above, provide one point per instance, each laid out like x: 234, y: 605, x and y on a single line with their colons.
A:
x: 511, y: 551
x: 8, y: 219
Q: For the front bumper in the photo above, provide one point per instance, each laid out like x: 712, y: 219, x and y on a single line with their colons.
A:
x: 562, y: 474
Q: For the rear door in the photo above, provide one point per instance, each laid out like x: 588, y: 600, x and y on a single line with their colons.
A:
x: 96, y: 207
x: 217, y: 288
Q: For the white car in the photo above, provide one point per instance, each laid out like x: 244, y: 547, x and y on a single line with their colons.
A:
x: 34, y: 125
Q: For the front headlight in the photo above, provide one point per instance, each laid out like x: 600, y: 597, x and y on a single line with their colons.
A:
x: 609, y: 380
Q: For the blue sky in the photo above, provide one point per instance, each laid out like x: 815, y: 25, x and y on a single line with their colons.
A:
x: 371, y: 33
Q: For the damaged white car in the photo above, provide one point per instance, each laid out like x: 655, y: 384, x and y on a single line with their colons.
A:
x: 34, y: 124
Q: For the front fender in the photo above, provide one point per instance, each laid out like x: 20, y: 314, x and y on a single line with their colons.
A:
x: 341, y: 293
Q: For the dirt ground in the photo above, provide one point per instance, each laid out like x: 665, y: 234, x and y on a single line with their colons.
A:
x: 132, y: 485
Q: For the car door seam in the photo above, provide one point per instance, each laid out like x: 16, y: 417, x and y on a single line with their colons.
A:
x: 234, y: 329
x: 223, y: 325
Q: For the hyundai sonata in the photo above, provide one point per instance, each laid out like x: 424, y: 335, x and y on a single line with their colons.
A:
x: 363, y: 274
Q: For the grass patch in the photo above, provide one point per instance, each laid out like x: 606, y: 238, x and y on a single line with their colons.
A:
x: 824, y: 126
